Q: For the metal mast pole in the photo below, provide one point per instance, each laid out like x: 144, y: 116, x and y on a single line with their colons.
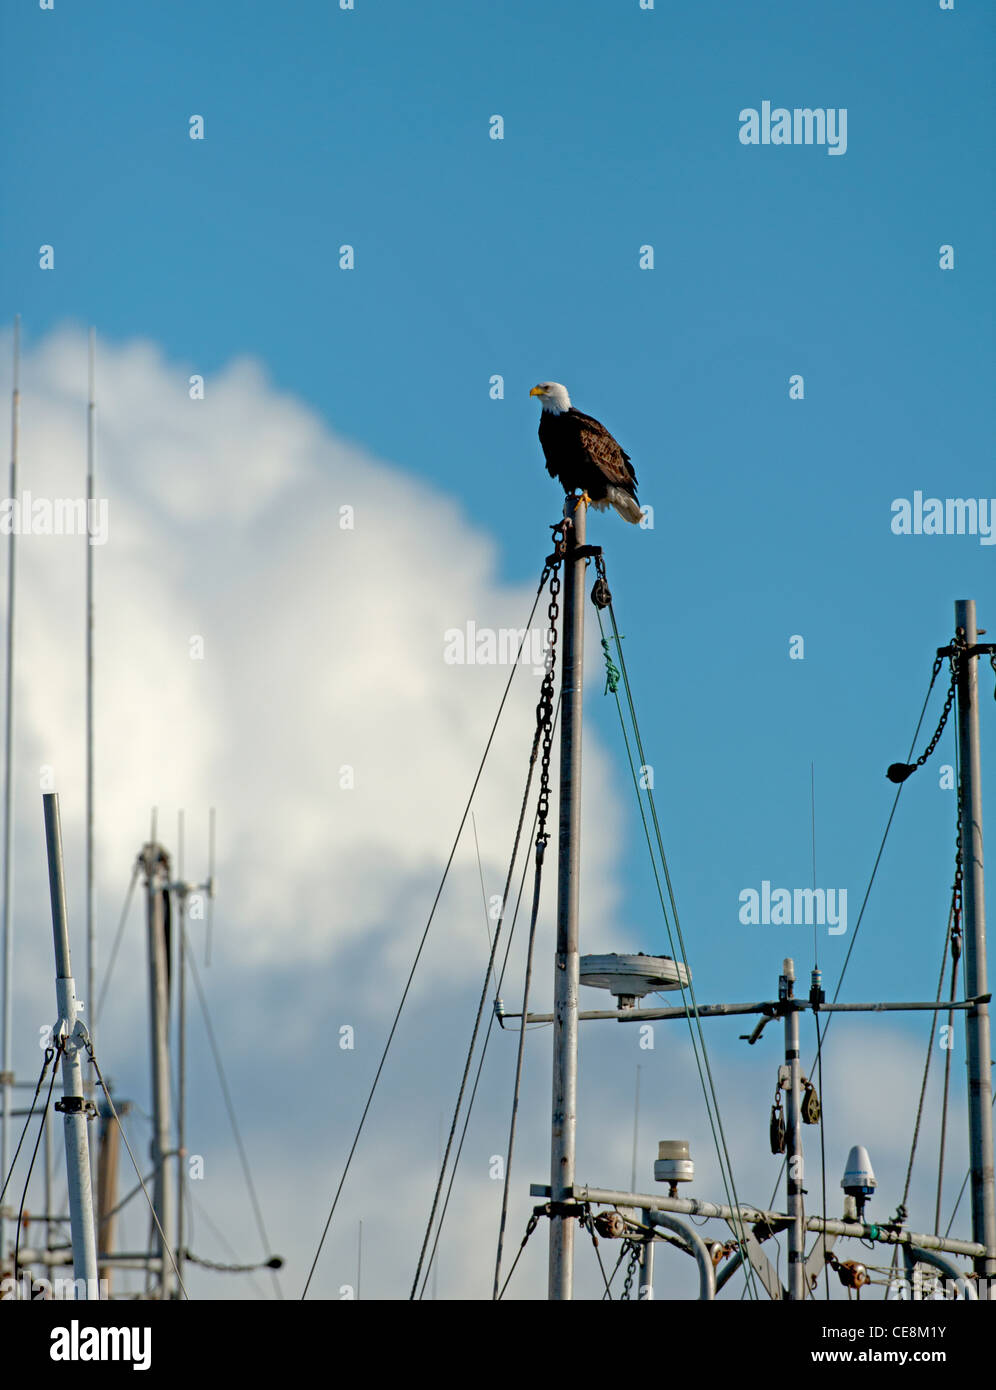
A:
x: 155, y: 862
x: 91, y: 948
x: 181, y: 1114
x: 72, y: 1034
x: 566, y: 984
x: 793, y: 1142
x: 977, y: 1035
x: 6, y: 1066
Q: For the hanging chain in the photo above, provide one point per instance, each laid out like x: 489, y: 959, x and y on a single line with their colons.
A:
x: 898, y: 772
x: 631, y: 1268
x: 545, y: 708
x: 956, y: 889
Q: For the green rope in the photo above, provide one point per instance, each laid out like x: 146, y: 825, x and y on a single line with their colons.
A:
x: 611, y: 669
x: 719, y: 1140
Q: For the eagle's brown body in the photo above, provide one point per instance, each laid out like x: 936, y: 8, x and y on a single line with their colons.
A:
x: 585, y: 457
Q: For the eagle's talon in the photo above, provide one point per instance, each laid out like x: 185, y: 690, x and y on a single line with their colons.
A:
x: 583, y: 498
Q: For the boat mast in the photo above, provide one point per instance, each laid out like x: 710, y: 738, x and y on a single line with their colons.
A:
x: 567, y: 969
x: 155, y: 863
x: 91, y: 420
x: 6, y: 1066
x: 72, y: 1034
x: 793, y: 1140
x: 977, y: 1034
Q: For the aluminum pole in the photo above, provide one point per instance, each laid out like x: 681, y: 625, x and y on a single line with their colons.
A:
x: 7, y: 1063
x: 567, y: 968
x: 73, y: 1103
x: 647, y: 1257
x: 793, y: 1144
x: 977, y: 1035
x: 180, y: 898
x: 155, y: 862
x: 91, y: 943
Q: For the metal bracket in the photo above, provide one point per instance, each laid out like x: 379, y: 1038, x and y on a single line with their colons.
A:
x: 980, y: 649
x: 76, y: 1105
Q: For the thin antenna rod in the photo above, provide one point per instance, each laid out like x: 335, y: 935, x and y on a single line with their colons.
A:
x: 812, y: 817
x: 91, y: 944
x: 8, y: 786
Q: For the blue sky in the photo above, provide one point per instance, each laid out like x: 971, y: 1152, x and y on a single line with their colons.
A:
x: 520, y: 257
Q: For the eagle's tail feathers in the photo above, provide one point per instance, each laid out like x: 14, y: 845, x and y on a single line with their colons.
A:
x: 626, y: 505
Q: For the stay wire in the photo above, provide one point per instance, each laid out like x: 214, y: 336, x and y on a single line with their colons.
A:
x: 554, y: 588
x: 230, y: 1107
x: 53, y: 1056
x: 715, y: 1123
x: 134, y: 1162
x: 49, y: 1056
x: 520, y: 1051
x: 421, y: 945
x: 864, y: 904
x: 477, y: 1079
x: 484, y: 893
x: 955, y: 959
x: 816, y: 1021
x: 122, y: 920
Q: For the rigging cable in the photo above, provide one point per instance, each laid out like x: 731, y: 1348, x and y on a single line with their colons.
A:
x: 871, y: 881
x: 544, y: 718
x: 541, y: 843
x: 117, y: 940
x: 421, y: 945
x: 816, y: 1021
x: 134, y: 1163
x: 51, y: 1055
x: 229, y: 1106
x: 480, y: 1066
x: 955, y: 938
x: 719, y: 1139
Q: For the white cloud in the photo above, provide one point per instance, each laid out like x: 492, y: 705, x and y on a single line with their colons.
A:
x: 324, y: 647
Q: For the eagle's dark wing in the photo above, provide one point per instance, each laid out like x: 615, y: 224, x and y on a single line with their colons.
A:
x: 604, y: 452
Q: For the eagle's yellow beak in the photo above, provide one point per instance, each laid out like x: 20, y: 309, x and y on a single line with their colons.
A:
x: 536, y: 391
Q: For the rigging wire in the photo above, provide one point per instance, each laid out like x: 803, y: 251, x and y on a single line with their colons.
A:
x: 230, y: 1107
x: 719, y: 1139
x: 134, y: 1163
x: 117, y: 940
x: 53, y: 1056
x: 864, y: 904
x: 816, y: 1021
x: 544, y: 722
x: 484, y: 894
x: 49, y: 1057
x: 421, y: 945
x: 955, y: 939
x: 541, y: 844
x: 480, y: 1066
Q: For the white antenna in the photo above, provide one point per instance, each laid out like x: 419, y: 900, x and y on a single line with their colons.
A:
x: 8, y: 928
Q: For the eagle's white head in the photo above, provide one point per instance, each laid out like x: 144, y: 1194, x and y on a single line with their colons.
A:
x: 553, y: 396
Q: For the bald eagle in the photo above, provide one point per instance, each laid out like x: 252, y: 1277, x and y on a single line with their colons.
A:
x: 583, y: 455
